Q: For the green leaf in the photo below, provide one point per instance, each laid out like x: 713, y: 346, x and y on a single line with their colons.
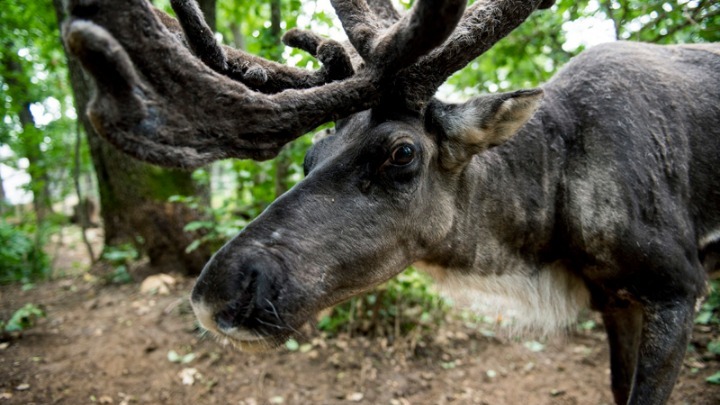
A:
x: 174, y: 357
x: 24, y: 318
x: 714, y: 347
x: 193, y: 245
x: 534, y: 346
x: 195, y: 225
x: 714, y: 379
x: 292, y: 345
x: 703, y: 317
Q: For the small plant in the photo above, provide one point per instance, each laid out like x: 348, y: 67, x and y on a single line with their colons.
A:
x: 391, y: 310
x: 21, y: 260
x: 222, y: 223
x: 22, y: 319
x: 709, y: 313
x: 120, y: 257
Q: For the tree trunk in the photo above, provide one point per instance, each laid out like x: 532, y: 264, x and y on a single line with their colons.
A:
x: 40, y: 181
x: 31, y: 139
x: 3, y: 198
x: 134, y: 195
x: 209, y: 9
x: 238, y: 38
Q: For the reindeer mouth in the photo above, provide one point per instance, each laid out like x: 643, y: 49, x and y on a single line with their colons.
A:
x: 256, y: 345
x: 243, y: 339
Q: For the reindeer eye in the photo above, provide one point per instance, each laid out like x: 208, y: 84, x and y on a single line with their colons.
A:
x: 402, y: 155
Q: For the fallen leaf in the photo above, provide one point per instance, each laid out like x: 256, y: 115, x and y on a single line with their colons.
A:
x: 556, y: 393
x: 174, y: 357
x: 188, y: 376
x: 157, y: 284
x: 534, y: 346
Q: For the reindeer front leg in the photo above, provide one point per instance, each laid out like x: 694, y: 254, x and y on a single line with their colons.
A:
x: 623, y: 326
x: 666, y: 329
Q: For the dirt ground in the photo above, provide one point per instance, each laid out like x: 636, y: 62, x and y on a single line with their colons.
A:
x: 112, y: 345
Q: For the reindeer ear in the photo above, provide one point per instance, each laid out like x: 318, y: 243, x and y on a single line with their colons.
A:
x: 480, y: 123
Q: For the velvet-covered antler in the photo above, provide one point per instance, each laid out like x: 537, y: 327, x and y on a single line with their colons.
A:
x: 167, y: 93
x: 160, y: 103
x: 257, y: 73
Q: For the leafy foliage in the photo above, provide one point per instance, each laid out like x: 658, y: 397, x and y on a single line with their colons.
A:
x: 38, y: 118
x: 22, y: 319
x: 403, y: 304
x: 21, y: 260
x: 534, y: 52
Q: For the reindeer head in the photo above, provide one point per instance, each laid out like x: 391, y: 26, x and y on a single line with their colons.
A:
x: 379, y: 193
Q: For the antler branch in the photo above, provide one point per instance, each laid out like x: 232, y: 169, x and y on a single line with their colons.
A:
x: 158, y: 103
x: 417, y: 32
x: 484, y: 24
x: 255, y: 72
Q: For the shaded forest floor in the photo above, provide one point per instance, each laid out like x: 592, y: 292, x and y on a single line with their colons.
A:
x: 112, y: 345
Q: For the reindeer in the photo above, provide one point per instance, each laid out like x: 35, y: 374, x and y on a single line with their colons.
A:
x: 598, y: 190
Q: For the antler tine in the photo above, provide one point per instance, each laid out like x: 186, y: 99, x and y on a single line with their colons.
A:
x: 255, y: 72
x: 199, y: 35
x: 484, y: 23
x: 337, y: 64
x: 158, y: 103
x: 426, y: 26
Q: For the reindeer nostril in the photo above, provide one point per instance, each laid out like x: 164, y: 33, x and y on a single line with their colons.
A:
x: 225, y: 319
x: 239, y: 310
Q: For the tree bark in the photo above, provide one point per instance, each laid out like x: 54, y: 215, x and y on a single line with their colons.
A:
x: 40, y: 181
x: 134, y: 196
x: 209, y: 9
x: 3, y: 197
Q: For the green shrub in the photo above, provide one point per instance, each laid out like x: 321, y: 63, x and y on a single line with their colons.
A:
x: 22, y: 319
x: 21, y: 260
x: 392, y: 310
x: 120, y: 257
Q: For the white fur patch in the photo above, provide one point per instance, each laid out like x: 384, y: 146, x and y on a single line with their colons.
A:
x: 205, y: 316
x: 709, y: 238
x: 541, y: 303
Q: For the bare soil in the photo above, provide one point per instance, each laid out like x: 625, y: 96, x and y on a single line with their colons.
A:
x: 110, y: 344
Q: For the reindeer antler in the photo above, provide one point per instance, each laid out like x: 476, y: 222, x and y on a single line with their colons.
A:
x: 158, y: 102
x: 258, y: 73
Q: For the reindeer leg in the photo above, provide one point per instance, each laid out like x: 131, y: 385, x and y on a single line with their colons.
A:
x: 665, y: 333
x: 623, y: 326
